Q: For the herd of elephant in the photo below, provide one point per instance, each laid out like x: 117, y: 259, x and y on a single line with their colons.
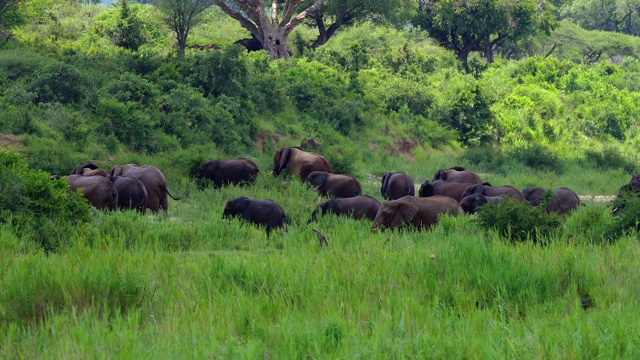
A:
x: 124, y: 187
x: 452, y: 191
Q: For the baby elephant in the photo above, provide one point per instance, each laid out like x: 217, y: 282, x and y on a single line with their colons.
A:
x: 357, y: 207
x: 334, y: 185
x: 562, y: 202
x: 261, y: 212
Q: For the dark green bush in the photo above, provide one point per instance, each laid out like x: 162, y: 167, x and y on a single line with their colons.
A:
x: 610, y: 158
x: 37, y: 207
x: 537, y: 157
x: 626, y: 208
x: 58, y: 82
x: 486, y: 159
x: 131, y: 126
x: 130, y: 87
x: 518, y: 220
x: 216, y: 73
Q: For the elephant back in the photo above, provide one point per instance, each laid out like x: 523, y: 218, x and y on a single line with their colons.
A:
x: 396, y: 185
x: 300, y: 162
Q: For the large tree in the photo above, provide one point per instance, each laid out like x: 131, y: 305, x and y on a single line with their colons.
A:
x: 270, y: 28
x: 463, y: 26
x: 334, y: 14
x: 608, y: 15
x: 182, y: 16
x: 9, y: 16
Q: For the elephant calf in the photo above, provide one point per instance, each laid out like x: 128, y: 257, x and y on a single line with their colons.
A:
x: 334, y: 185
x: 491, y: 191
x: 260, y: 212
x: 470, y: 204
x: 357, y: 207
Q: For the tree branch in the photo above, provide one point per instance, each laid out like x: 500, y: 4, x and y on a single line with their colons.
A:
x: 300, y: 18
x: 274, y: 12
x: 289, y: 9
x: 244, y: 22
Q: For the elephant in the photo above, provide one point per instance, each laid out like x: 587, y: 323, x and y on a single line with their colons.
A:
x: 310, y: 143
x: 626, y: 191
x: 153, y: 180
x: 98, y: 190
x: 357, y: 207
x: 79, y: 169
x: 224, y: 172
x: 563, y: 201
x: 452, y: 189
x: 488, y: 190
x: 334, y: 185
x: 298, y: 161
x: 470, y: 203
x: 396, y: 185
x: 457, y: 173
x: 131, y: 193
x: 261, y: 212
x: 416, y: 211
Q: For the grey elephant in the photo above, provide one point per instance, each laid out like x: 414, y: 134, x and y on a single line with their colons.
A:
x: 225, y: 172
x: 260, y: 212
x: 298, y: 161
x: 154, y: 182
x: 357, y: 207
x: 452, y: 189
x: 334, y: 185
x: 396, y: 185
x: 416, y: 212
x: 457, y: 173
x: 470, y: 204
x: 132, y: 193
x: 98, y: 190
x: 563, y: 201
x: 491, y: 191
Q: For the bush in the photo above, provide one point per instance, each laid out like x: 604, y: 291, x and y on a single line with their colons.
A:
x: 537, y: 157
x: 518, y: 220
x: 58, y: 82
x: 610, y: 158
x: 626, y: 209
x: 487, y: 159
x: 36, y: 207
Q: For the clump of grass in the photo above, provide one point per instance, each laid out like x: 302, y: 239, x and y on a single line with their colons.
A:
x: 518, y: 221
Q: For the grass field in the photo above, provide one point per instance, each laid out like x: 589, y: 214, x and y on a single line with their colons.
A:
x: 187, y: 284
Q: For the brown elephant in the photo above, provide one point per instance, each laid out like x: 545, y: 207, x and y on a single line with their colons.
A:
x: 415, y: 211
x: 298, y: 161
x: 564, y: 199
x: 457, y: 173
x: 452, y: 189
x: 357, y: 207
x: 154, y: 182
x: 334, y: 185
x: 224, y: 172
x: 491, y: 191
x: 396, y: 185
x: 98, y: 190
x: 260, y: 212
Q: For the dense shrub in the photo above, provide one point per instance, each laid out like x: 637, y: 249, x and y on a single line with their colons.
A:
x: 610, y: 158
x: 537, y: 157
x: 37, y: 207
x: 487, y: 159
x: 518, y: 221
x: 216, y: 73
x: 58, y: 82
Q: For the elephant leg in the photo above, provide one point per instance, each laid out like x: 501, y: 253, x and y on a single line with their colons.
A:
x: 164, y: 202
x: 153, y: 203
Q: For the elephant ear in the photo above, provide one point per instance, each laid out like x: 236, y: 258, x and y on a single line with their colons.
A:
x: 284, y: 158
x: 78, y: 170
x: 115, y: 170
x: 405, y: 212
x: 426, y: 189
x: 385, y: 183
x: 440, y: 175
x: 319, y: 179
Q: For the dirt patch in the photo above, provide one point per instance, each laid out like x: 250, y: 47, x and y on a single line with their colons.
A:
x: 597, y: 198
x: 266, y: 140
x: 403, y: 146
x: 8, y: 141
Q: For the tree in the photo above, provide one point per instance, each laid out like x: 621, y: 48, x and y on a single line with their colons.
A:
x: 463, y: 26
x: 608, y: 15
x: 129, y: 29
x: 334, y: 14
x: 270, y: 31
x: 9, y: 16
x: 182, y: 16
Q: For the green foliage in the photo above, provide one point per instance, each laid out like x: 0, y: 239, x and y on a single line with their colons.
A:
x: 131, y: 126
x: 537, y: 157
x: 58, y: 82
x: 610, y: 158
x: 38, y: 208
x: 518, y: 221
x: 627, y: 215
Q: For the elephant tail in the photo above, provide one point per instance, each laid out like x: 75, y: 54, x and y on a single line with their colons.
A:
x: 173, y: 197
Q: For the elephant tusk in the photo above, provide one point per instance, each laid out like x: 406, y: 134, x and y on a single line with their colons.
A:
x: 374, y: 228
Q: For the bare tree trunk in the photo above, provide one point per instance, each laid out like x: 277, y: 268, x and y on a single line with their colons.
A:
x: 275, y: 43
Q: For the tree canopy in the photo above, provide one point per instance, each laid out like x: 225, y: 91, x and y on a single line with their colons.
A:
x: 463, y: 26
x: 271, y: 30
x: 181, y: 16
x: 334, y: 14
